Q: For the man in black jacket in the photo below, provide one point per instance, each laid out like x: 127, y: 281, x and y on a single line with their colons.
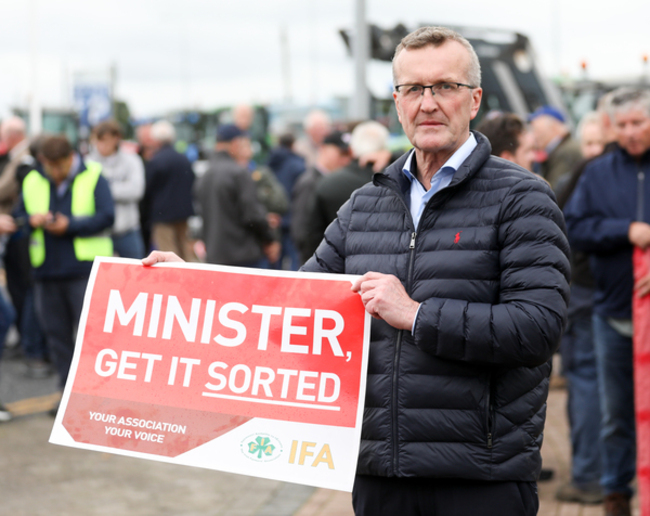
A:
x: 367, y: 139
x: 168, y: 193
x: 235, y: 226
x: 464, y: 267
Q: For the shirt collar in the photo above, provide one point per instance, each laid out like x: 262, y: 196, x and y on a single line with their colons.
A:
x: 454, y: 162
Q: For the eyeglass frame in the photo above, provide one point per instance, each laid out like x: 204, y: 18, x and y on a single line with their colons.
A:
x: 430, y: 87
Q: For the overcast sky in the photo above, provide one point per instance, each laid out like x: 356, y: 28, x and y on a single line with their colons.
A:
x: 211, y: 53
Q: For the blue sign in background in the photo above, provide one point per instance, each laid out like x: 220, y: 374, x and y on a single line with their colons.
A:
x: 93, y: 103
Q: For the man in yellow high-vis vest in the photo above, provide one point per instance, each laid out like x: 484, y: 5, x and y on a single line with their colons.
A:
x: 69, y: 210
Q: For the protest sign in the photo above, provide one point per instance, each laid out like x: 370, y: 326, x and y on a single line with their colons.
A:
x: 641, y: 317
x: 255, y: 372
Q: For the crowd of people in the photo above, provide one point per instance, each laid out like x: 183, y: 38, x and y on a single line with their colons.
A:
x: 461, y: 245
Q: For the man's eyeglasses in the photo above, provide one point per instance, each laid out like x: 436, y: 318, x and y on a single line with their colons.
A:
x: 443, y: 89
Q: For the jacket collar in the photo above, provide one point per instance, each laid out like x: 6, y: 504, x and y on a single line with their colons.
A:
x: 645, y: 159
x: 468, y: 168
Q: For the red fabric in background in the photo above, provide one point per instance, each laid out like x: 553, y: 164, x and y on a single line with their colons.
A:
x: 641, y: 317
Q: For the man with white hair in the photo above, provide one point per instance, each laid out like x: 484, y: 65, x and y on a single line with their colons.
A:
x: 367, y: 139
x: 607, y: 216
x: 168, y: 193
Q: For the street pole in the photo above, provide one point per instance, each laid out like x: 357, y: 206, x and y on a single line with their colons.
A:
x: 285, y: 65
x: 360, y: 109
x: 35, y: 114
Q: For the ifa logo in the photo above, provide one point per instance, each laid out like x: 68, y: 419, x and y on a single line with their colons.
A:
x: 261, y: 447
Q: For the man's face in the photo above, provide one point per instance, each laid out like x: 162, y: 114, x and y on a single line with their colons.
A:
x: 58, y: 170
x: 592, y: 140
x: 545, y: 129
x: 632, y: 129
x: 107, y: 144
x: 148, y: 144
x: 11, y: 138
x: 433, y: 124
x: 525, y: 153
x: 331, y: 157
x: 319, y: 130
x: 241, y: 150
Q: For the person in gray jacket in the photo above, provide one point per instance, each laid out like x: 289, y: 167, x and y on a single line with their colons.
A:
x: 235, y: 226
x: 125, y: 175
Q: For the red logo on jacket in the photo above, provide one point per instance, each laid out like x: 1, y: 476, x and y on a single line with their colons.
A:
x: 457, y: 237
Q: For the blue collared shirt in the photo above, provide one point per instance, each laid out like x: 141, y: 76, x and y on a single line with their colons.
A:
x: 441, y: 179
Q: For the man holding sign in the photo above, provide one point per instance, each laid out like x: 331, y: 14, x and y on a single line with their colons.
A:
x: 464, y: 267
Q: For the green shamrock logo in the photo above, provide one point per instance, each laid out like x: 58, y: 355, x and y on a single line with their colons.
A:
x: 261, y: 445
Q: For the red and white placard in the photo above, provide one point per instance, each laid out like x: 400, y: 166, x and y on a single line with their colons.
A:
x: 249, y: 371
x: 641, y: 316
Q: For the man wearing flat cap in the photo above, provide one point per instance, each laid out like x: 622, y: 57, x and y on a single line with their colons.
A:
x: 235, y: 226
x: 552, y: 137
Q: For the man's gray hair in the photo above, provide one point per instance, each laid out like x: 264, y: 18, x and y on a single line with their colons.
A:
x: 626, y: 98
x: 163, y: 132
x: 368, y: 137
x: 437, y: 36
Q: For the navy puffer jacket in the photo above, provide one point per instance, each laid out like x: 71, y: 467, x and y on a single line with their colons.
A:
x: 465, y: 396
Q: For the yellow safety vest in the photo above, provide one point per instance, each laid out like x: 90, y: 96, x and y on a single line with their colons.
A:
x: 36, y: 196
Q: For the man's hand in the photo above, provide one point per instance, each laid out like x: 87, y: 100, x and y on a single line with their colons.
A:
x: 642, y: 287
x: 160, y: 257
x: 38, y: 220
x: 272, y: 251
x: 384, y: 297
x: 7, y: 224
x: 57, y: 225
x: 639, y: 234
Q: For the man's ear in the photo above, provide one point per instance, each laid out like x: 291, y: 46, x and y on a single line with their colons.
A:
x: 506, y: 154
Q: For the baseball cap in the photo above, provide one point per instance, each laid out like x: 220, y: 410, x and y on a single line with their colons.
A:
x: 228, y: 132
x: 338, y: 138
x: 547, y: 110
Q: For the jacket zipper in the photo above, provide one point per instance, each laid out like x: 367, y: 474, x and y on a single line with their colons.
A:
x: 396, y: 360
x: 398, y: 345
x: 488, y: 413
x: 400, y: 334
x: 640, y: 215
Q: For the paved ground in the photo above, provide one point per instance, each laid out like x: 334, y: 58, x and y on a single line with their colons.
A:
x: 43, y: 479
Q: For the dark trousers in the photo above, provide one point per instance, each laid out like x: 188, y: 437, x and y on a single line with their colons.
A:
x: 19, y: 280
x: 58, y: 306
x: 382, y: 496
